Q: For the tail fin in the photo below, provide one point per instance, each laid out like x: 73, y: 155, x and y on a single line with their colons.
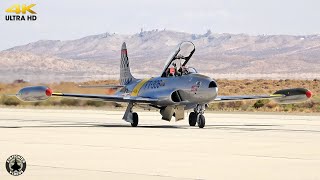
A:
x: 125, y: 74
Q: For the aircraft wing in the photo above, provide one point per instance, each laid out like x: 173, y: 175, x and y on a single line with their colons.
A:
x: 115, y: 98
x: 285, y: 96
x: 246, y: 97
x: 40, y: 93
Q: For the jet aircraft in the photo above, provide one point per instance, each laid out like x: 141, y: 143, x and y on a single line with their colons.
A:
x: 176, y: 89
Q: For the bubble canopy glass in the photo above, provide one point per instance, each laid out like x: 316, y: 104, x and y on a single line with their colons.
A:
x: 183, y: 53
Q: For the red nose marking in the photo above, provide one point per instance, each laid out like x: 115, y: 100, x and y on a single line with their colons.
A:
x: 309, y: 94
x: 48, y: 92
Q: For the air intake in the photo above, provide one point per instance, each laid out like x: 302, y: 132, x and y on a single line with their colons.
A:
x: 212, y: 84
x: 176, y: 97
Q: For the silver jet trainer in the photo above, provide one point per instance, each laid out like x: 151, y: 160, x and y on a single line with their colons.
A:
x: 177, y: 89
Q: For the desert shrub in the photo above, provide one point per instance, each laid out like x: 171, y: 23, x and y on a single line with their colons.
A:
x: 287, y: 107
x: 222, y: 105
x: 10, y: 101
x: 118, y: 105
x: 70, y: 102
x: 260, y: 103
x: 41, y: 103
x: 213, y: 106
x: 248, y: 83
x: 53, y: 102
x: 237, y: 90
x: 95, y: 103
x: 242, y: 87
x: 37, y: 104
x: 234, y: 105
x: 310, y: 104
x: 271, y: 105
x: 245, y: 107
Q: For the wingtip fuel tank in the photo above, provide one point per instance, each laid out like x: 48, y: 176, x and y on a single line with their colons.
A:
x: 34, y: 93
x: 294, y: 95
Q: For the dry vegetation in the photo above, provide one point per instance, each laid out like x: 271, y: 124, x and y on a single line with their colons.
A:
x: 226, y: 87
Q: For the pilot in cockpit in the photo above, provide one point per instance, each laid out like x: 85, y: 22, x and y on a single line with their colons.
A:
x: 172, y: 71
x: 184, y: 70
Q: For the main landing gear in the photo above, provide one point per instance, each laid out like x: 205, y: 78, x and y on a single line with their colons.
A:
x: 135, y: 119
x: 131, y: 117
x: 197, y: 116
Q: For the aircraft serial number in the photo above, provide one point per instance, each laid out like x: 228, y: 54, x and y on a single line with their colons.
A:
x: 154, y: 84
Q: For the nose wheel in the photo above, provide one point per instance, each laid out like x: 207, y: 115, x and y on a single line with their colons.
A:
x: 201, y: 121
x: 197, y: 116
x: 192, y: 118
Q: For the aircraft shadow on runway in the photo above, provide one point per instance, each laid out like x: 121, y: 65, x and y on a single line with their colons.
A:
x: 72, y: 124
x: 94, y: 125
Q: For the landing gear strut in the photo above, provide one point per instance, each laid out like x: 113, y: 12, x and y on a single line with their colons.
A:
x: 131, y: 117
x: 197, y: 116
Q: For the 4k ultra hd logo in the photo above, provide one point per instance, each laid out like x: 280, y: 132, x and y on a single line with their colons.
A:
x: 20, y: 12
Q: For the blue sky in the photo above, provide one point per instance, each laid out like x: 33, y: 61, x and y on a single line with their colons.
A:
x: 73, y: 19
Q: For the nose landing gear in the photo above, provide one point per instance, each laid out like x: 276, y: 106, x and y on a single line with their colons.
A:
x: 197, y: 116
x: 193, y: 118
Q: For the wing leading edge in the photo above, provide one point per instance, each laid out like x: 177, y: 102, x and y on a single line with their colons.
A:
x: 114, y: 98
x: 246, y: 97
x: 285, y: 96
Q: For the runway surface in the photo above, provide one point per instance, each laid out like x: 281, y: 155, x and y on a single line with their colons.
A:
x: 88, y: 144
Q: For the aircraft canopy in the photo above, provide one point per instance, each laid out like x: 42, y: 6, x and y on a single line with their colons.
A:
x: 180, y: 57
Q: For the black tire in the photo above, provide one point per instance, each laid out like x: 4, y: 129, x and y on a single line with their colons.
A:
x: 192, y: 119
x: 201, y: 121
x: 135, y: 119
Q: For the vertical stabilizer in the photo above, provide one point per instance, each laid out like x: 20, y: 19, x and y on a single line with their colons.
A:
x: 125, y: 74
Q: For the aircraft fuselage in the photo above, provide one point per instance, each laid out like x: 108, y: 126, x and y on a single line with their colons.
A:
x: 188, y: 90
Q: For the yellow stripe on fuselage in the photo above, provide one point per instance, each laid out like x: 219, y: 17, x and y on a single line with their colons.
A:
x: 137, y: 88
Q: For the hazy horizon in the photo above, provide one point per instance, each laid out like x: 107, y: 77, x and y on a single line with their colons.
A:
x: 67, y: 20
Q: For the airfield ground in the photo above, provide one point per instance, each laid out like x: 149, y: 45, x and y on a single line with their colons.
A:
x: 89, y: 144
